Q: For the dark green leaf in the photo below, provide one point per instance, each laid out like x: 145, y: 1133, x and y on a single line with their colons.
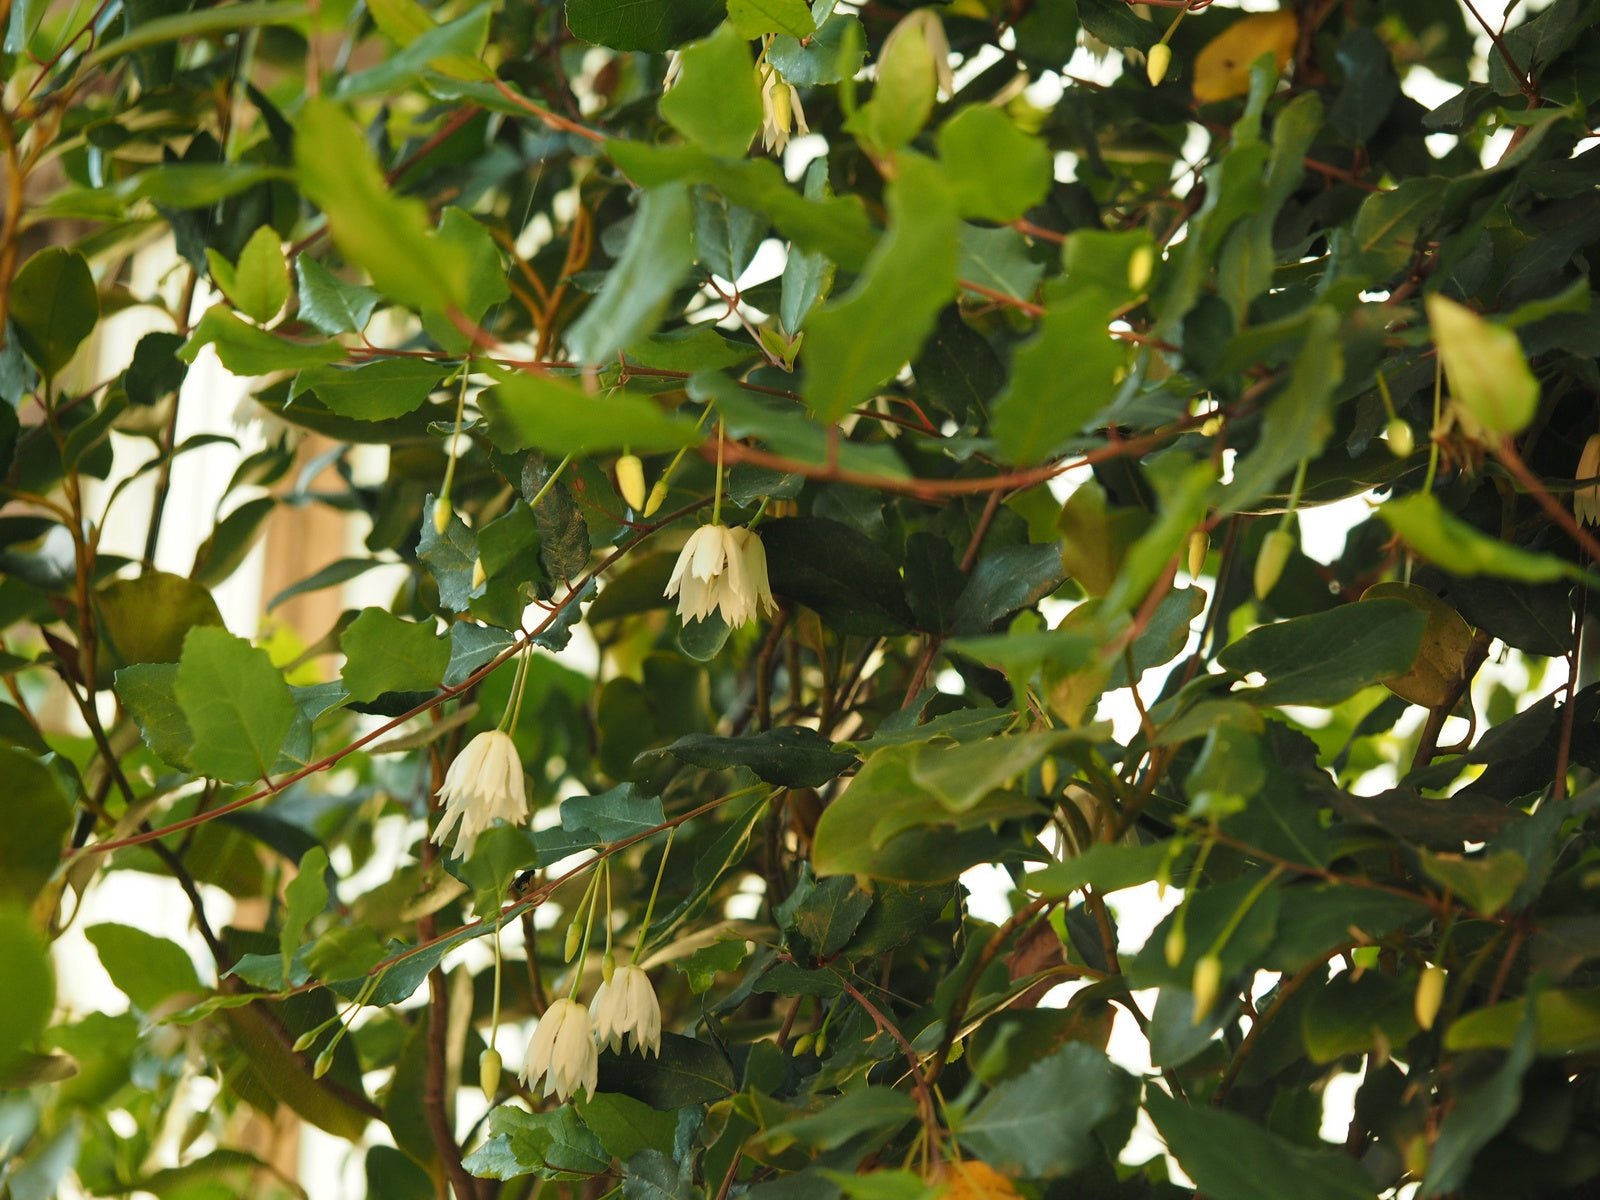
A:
x: 792, y: 756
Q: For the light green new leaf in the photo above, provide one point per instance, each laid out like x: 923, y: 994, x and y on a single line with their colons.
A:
x: 29, y: 994
x: 527, y: 410
x: 148, y: 969
x: 996, y: 171
x: 659, y: 250
x: 258, y: 284
x: 38, y: 814
x: 1493, y: 391
x: 1325, y: 658
x: 716, y: 102
x: 384, y: 234
x: 237, y: 705
x: 54, y: 306
x: 246, y: 350
x: 1462, y: 549
x: 453, y: 48
x: 1060, y: 378
x: 304, y: 898
x: 384, y: 653
x: 755, y: 18
x: 855, y: 343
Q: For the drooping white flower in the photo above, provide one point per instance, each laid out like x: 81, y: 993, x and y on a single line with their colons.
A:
x: 780, y: 110
x: 722, y: 570
x: 483, y: 784
x: 625, y: 1009
x: 562, y: 1052
x: 1586, y: 499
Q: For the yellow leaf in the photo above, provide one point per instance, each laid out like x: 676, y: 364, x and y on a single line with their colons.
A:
x: 1435, y: 675
x: 1222, y: 69
x: 973, y: 1180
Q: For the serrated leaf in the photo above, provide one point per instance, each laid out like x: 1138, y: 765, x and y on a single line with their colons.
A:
x: 236, y: 703
x: 384, y: 653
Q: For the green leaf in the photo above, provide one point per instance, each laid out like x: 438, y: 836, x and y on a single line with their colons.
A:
x: 146, y: 691
x: 791, y: 756
x: 449, y: 556
x: 230, y: 543
x: 659, y: 250
x: 384, y: 234
x: 145, y: 619
x: 54, y: 307
x: 38, y: 814
x: 702, y: 967
x: 716, y: 102
x: 1484, y: 1107
x: 236, y: 703
x: 1228, y: 1155
x: 828, y: 566
x: 836, y: 225
x: 1462, y: 549
x: 1486, y: 882
x: 146, y: 968
x: 1046, y: 1121
x: 819, y: 919
x: 1325, y: 658
x: 466, y: 240
x: 1061, y: 378
x: 199, y: 23
x: 452, y: 48
x: 156, y: 370
x: 651, y: 25
x: 329, y: 303
x: 611, y: 816
x: 555, y: 415
x: 856, y: 342
x: 687, y: 1072
x: 995, y: 171
x: 863, y: 1110
x: 1568, y: 1022
x: 1104, y: 867
x: 1297, y: 422
x: 373, y: 391
x: 304, y: 899
x: 30, y: 993
x: 556, y: 1145
x: 246, y: 350
x: 384, y: 653
x: 259, y: 284
x: 754, y: 18
x: 1003, y: 582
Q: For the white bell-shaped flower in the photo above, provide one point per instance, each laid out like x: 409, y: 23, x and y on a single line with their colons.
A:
x: 562, y: 1052
x: 625, y: 1009
x: 485, y: 783
x: 722, y: 570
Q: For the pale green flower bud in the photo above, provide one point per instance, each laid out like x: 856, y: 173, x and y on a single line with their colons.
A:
x: 1156, y: 64
x: 630, y: 481
x: 441, y: 514
x: 1430, y: 995
x: 489, y: 1067
x: 1271, y: 559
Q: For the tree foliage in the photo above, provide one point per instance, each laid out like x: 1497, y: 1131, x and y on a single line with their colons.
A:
x: 1022, y: 390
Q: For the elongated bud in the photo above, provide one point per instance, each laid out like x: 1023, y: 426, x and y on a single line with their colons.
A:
x: 574, y: 940
x: 1157, y: 62
x: 307, y: 1039
x: 324, y: 1061
x: 479, y: 575
x: 658, y: 497
x: 1205, y: 985
x: 489, y: 1067
x: 802, y: 1045
x: 1400, y: 438
x: 1199, y: 547
x: 608, y: 966
x: 1141, y: 265
x: 1430, y: 995
x: 630, y: 481
x: 1271, y: 559
x: 820, y: 1046
x: 441, y: 514
x: 1176, y: 944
